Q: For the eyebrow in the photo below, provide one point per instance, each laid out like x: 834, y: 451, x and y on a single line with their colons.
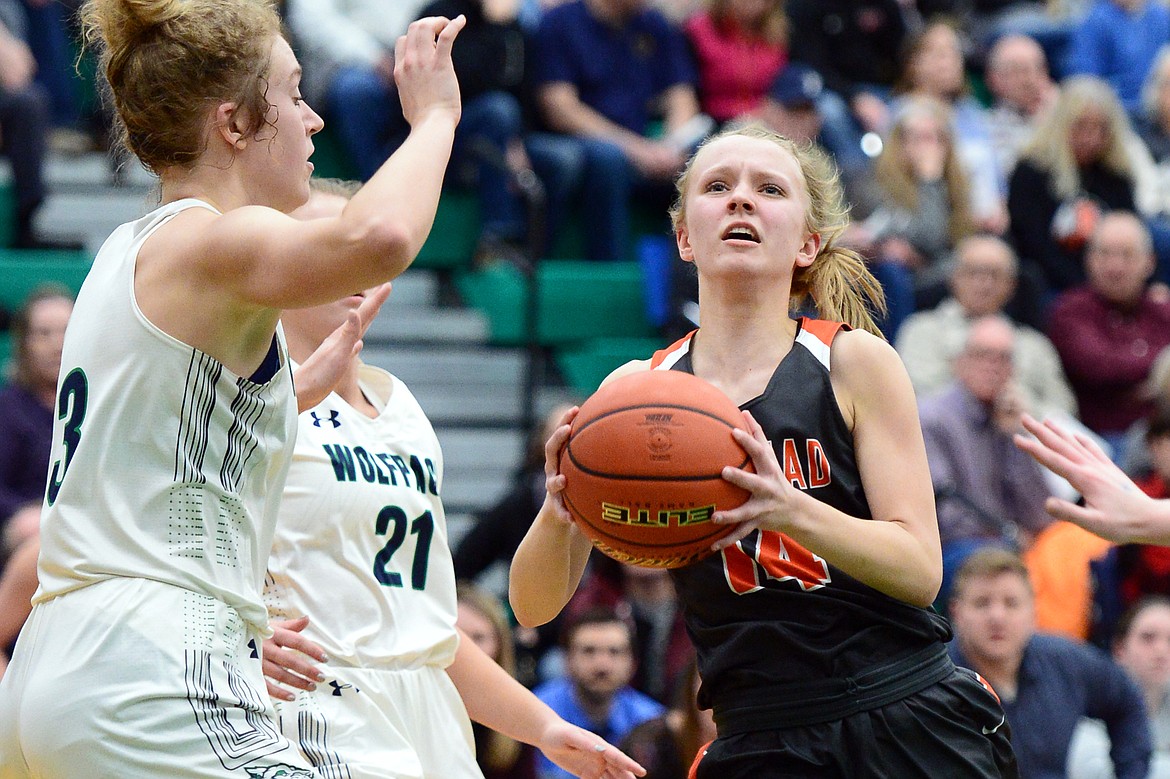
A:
x: 726, y: 169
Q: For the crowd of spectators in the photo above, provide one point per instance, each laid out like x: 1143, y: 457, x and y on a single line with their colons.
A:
x: 1009, y: 167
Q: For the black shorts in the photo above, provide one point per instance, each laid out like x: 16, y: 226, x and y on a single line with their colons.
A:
x: 954, y: 729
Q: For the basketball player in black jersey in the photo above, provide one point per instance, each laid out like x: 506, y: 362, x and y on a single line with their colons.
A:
x: 818, y: 650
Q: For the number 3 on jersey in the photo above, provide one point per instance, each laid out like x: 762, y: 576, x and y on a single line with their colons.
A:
x: 71, y: 405
x: 775, y: 557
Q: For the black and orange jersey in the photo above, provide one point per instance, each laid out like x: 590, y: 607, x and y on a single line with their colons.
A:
x: 773, y: 622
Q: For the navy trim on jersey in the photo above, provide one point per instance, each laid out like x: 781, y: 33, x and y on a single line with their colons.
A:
x: 312, y: 733
x: 195, y: 417
x: 235, y: 743
x: 247, y: 409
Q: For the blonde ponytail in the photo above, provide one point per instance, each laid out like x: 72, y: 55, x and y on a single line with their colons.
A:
x: 842, y: 289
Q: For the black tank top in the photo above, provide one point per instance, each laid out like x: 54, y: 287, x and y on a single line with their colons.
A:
x: 770, y: 620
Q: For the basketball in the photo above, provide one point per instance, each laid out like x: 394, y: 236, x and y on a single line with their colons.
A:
x: 643, y: 467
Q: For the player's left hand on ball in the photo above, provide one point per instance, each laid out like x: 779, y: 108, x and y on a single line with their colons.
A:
x: 585, y: 754
x: 288, y: 659
x: 770, y: 491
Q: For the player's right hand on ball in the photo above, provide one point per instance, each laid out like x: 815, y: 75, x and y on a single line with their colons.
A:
x: 554, y: 483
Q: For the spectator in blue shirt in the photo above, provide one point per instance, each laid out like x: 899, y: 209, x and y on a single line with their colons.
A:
x: 1118, y: 41
x: 605, y: 70
x: 1046, y: 683
x: 594, y: 693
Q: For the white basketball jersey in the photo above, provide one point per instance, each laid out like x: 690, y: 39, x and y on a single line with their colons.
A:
x: 361, y: 544
x: 164, y: 465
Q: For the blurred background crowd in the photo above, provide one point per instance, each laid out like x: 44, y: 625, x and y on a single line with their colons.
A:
x: 1008, y: 165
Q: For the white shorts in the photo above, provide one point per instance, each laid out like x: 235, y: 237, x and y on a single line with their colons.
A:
x: 385, y: 724
x: 135, y: 679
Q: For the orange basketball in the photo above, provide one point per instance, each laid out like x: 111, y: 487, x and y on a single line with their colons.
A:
x: 643, y: 467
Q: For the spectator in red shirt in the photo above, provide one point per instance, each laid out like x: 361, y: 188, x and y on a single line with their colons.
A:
x: 740, y: 46
x: 1109, y: 330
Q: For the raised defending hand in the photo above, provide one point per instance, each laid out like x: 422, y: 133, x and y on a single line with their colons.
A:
x: 772, y: 495
x: 287, y: 659
x: 554, y: 482
x: 318, y: 375
x: 423, y: 70
x: 585, y: 754
x: 1115, y: 508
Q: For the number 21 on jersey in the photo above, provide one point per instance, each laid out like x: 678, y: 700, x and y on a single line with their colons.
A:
x: 775, y: 557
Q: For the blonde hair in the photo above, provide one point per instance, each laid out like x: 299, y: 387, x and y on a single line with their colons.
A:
x: 837, y: 282
x: 894, y: 173
x: 1156, y: 387
x: 345, y: 188
x: 167, y: 63
x: 1049, y: 148
x: 1158, y: 75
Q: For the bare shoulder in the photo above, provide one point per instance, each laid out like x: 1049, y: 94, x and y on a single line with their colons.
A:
x: 867, y: 370
x: 633, y: 366
x: 859, y: 350
x: 206, y: 243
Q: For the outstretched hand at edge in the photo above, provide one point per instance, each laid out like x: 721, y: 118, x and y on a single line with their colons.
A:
x: 585, y: 754
x: 318, y: 375
x: 1115, y: 509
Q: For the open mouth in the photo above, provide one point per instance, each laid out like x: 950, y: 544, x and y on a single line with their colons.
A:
x: 741, y: 233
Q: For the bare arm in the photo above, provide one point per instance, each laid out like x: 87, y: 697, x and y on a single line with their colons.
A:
x: 16, y: 589
x: 565, y: 112
x: 680, y: 105
x: 270, y: 259
x: 218, y: 282
x: 898, y: 551
x: 550, y: 561
x: 493, y: 698
x: 1115, y: 508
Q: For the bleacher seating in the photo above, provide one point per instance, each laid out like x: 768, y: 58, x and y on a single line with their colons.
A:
x: 23, y: 270
x: 577, y: 300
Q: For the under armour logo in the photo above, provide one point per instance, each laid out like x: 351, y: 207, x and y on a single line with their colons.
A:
x: 332, y: 419
x: 252, y: 646
x: 338, y: 687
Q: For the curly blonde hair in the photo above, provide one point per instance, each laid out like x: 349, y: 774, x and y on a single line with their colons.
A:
x: 166, y: 63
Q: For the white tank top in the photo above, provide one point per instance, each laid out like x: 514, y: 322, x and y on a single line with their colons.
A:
x: 165, y: 465
x: 361, y: 544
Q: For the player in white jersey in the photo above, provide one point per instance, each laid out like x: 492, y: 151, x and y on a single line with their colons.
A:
x: 361, y: 550
x: 175, y: 410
